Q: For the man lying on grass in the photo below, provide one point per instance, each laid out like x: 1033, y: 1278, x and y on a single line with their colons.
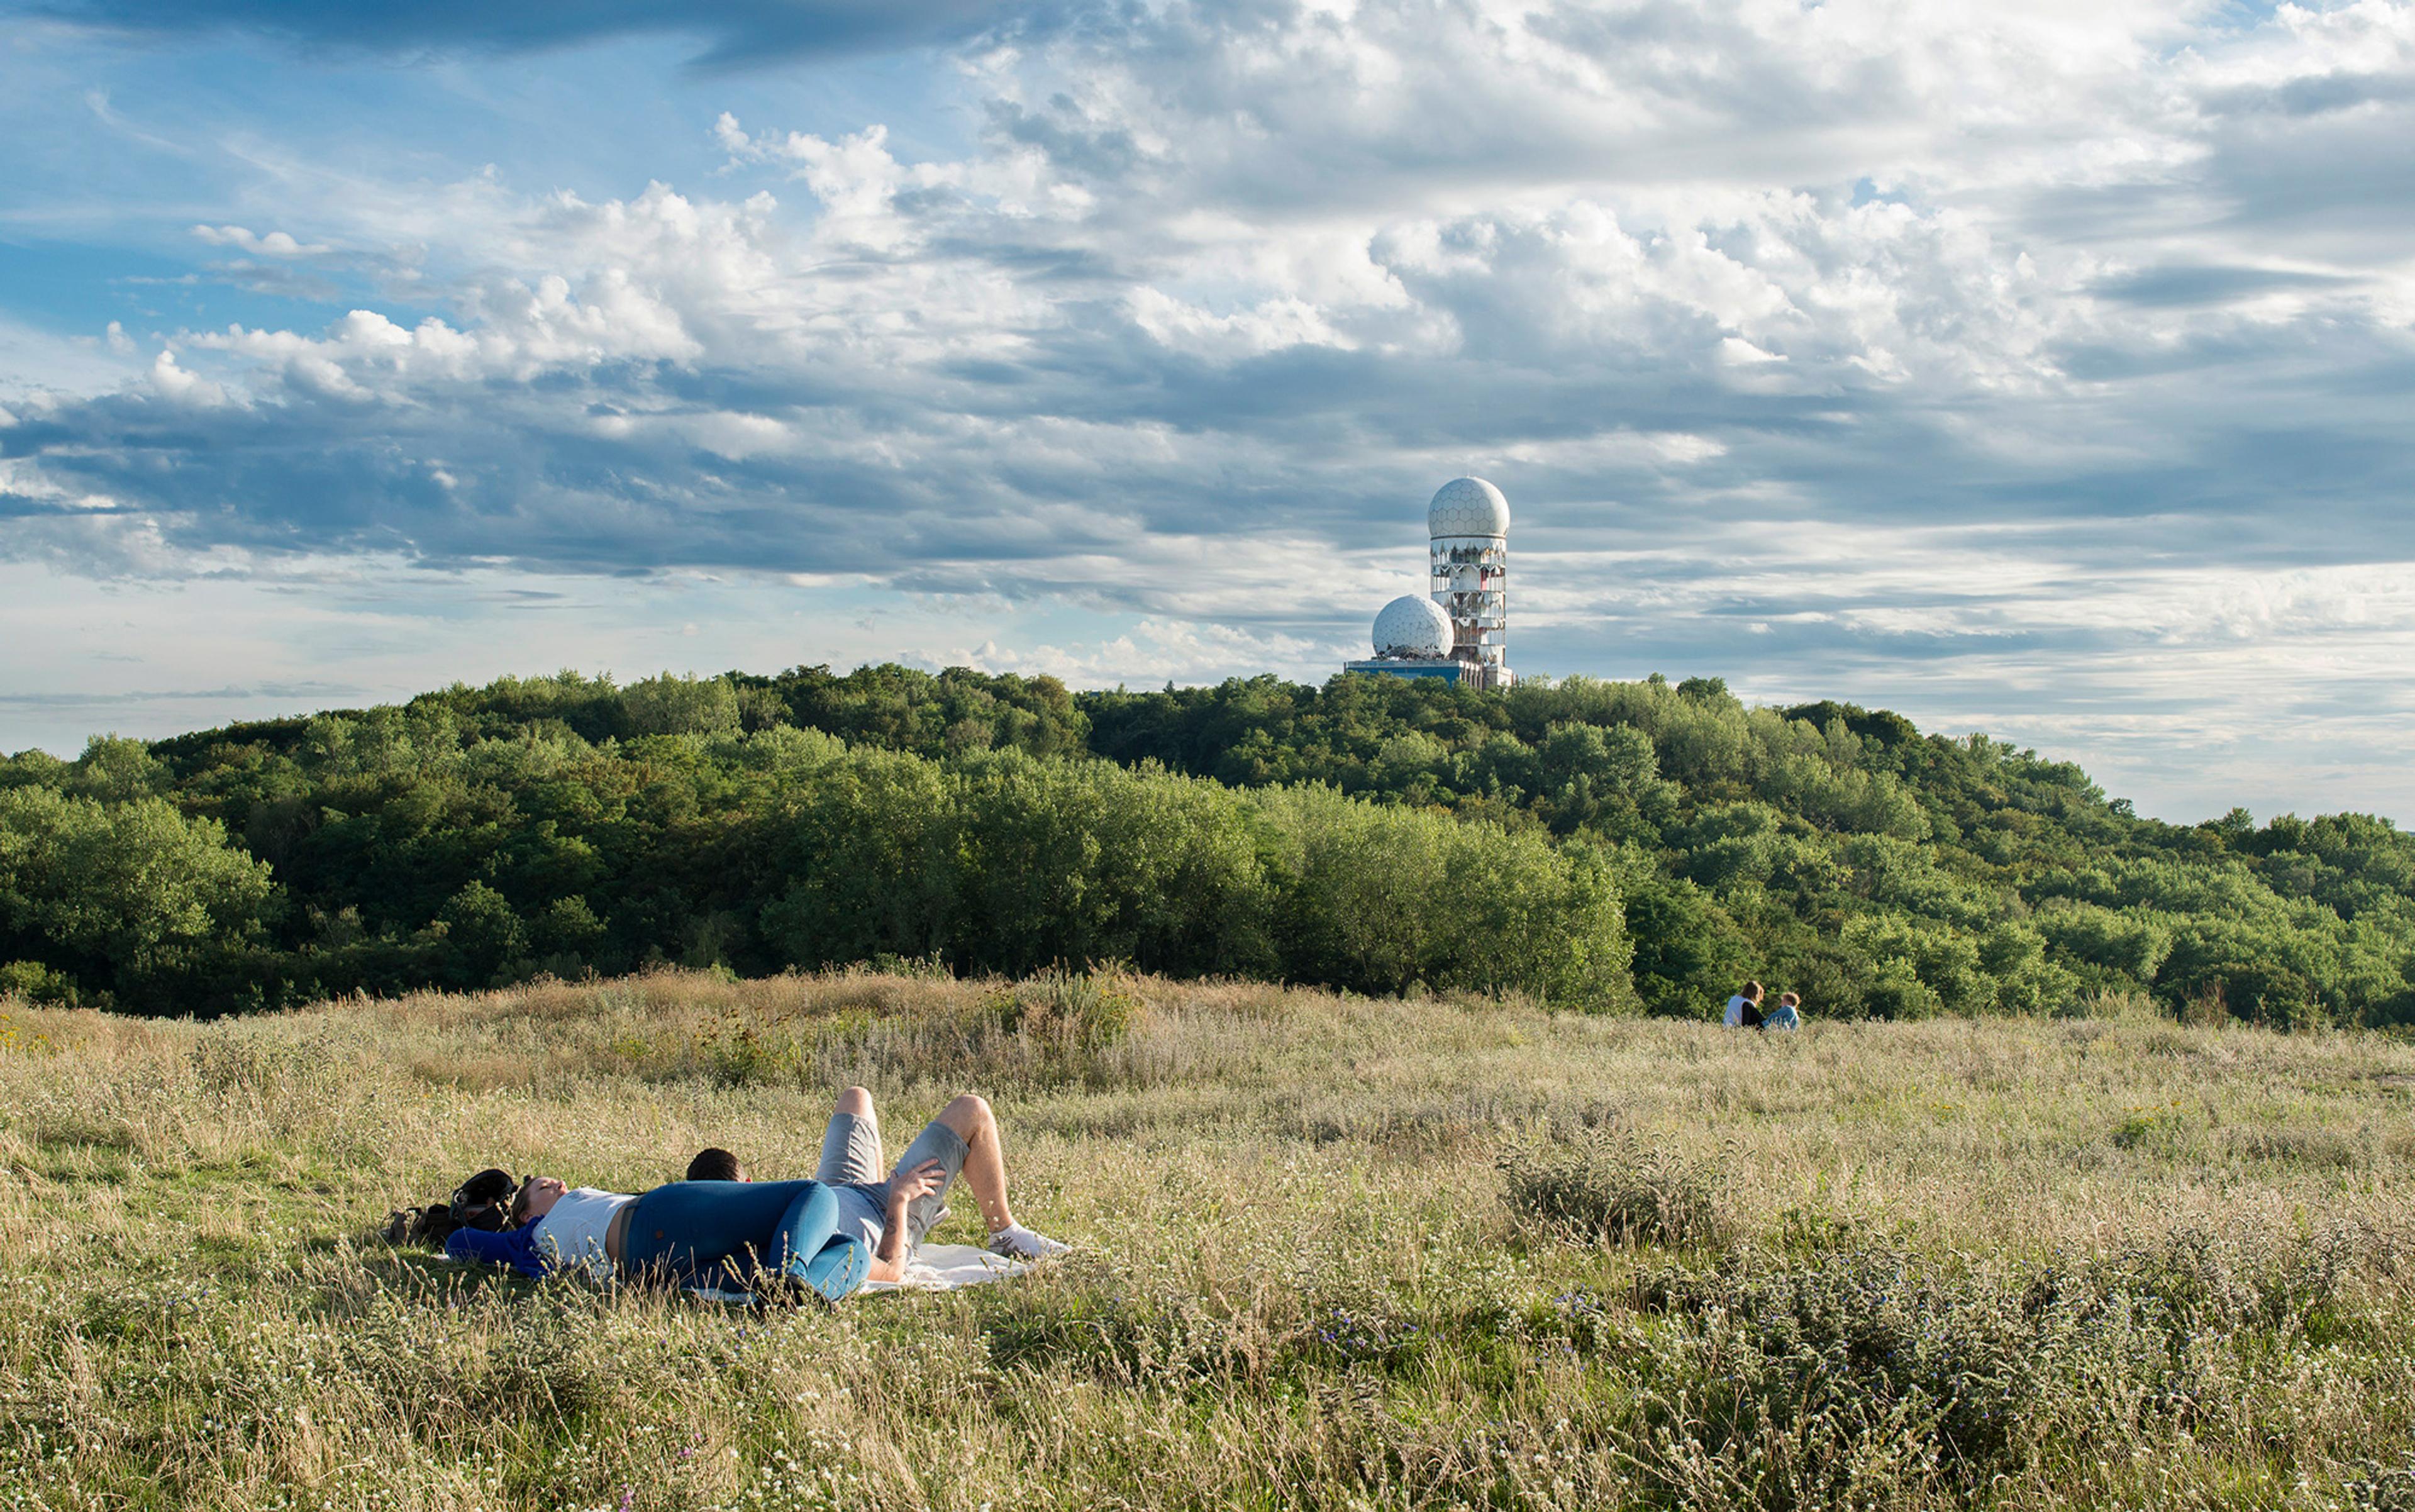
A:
x: 827, y: 1235
x: 962, y: 1141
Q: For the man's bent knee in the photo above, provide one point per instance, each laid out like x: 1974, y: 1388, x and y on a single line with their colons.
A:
x: 968, y: 1113
x: 855, y: 1100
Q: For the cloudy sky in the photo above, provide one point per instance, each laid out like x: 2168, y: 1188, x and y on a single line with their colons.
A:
x: 2046, y: 369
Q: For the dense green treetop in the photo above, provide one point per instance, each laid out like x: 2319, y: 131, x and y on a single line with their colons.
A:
x: 1600, y: 844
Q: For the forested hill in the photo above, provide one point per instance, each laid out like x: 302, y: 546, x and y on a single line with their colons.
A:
x: 1601, y: 845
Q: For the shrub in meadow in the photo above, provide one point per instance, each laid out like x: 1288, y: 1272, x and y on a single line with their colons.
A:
x: 1597, y: 1186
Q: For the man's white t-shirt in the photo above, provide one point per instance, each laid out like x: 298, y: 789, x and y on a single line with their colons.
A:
x: 1735, y: 1011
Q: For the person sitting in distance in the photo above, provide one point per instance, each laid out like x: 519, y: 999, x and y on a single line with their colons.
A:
x: 1783, y: 1016
x: 1744, y: 1008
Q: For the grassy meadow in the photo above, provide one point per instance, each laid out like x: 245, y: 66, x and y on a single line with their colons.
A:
x: 1333, y: 1252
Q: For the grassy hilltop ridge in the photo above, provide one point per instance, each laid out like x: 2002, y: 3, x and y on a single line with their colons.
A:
x: 1334, y: 1252
x: 1608, y: 845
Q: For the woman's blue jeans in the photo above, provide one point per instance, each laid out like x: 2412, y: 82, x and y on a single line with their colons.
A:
x: 743, y: 1228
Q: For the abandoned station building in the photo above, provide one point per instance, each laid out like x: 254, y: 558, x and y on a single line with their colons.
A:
x: 1459, y: 629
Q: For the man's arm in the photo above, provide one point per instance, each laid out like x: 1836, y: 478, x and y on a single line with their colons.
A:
x: 888, y: 1257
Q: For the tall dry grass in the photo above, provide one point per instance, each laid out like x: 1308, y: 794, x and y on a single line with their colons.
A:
x: 1333, y: 1252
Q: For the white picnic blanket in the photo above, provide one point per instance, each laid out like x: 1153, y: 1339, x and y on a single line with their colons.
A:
x: 943, y: 1267
x: 935, y: 1268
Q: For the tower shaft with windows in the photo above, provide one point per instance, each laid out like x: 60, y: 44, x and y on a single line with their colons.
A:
x: 1470, y: 579
x: 1468, y: 576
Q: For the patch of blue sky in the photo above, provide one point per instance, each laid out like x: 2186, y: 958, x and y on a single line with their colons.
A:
x: 118, y: 150
x: 599, y: 119
x: 81, y: 288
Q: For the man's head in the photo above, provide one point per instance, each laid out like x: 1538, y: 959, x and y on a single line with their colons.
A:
x: 716, y: 1165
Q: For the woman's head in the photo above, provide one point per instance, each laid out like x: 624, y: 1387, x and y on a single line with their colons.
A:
x: 1752, y: 992
x: 537, y: 1196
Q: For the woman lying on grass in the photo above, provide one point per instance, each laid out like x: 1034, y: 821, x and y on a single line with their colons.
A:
x: 829, y: 1235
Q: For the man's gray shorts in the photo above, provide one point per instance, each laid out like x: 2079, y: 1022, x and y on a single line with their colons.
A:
x: 851, y: 1158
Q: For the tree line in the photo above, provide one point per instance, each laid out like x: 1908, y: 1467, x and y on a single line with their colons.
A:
x: 1603, y: 844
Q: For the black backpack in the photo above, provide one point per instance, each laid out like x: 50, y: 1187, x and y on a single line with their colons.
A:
x: 482, y: 1202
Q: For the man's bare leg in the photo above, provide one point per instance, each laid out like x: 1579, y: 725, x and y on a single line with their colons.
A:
x: 855, y: 1100
x: 985, y: 1163
x: 985, y: 1172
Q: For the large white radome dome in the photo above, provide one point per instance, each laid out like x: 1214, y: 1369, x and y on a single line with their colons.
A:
x: 1468, y: 506
x: 1412, y: 625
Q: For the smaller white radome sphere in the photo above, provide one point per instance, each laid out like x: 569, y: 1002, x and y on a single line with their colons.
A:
x: 1468, y: 506
x: 1413, y: 625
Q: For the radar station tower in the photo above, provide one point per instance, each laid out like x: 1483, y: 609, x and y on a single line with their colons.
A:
x: 1469, y: 576
x: 1459, y: 631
